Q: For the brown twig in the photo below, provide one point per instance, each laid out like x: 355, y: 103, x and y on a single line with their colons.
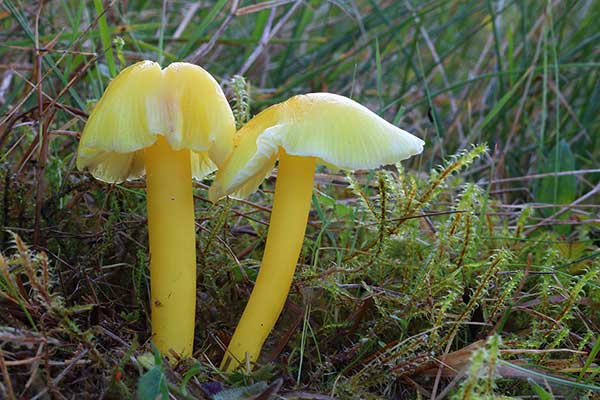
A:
x: 267, y: 35
x: 6, y: 377
x: 563, y: 210
x: 197, y: 55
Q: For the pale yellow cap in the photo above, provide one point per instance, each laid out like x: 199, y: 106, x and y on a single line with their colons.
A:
x: 182, y: 102
x: 336, y: 130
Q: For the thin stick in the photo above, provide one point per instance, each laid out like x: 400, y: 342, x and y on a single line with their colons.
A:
x: 196, y: 56
x: 41, y: 166
x: 9, y: 388
x: 563, y: 210
x: 268, y: 35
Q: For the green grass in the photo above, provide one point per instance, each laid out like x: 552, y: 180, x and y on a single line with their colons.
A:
x: 438, y: 262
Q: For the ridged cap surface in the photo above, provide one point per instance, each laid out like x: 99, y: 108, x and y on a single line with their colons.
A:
x: 182, y: 102
x: 336, y: 130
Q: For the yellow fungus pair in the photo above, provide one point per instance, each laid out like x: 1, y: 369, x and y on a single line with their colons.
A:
x: 176, y: 123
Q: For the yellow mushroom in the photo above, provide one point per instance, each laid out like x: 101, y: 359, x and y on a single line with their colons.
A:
x: 300, y: 132
x: 171, y: 124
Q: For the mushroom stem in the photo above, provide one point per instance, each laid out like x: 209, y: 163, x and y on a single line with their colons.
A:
x: 172, y: 240
x: 289, y: 216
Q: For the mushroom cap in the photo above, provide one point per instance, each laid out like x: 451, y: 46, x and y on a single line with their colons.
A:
x: 338, y: 131
x: 182, y: 102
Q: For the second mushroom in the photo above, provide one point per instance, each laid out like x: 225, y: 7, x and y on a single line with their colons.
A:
x: 300, y: 132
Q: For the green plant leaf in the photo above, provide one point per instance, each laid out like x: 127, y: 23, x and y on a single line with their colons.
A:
x: 557, y: 189
x: 542, y: 393
x: 591, y: 357
x: 153, y: 385
x: 105, y: 38
x: 196, y: 368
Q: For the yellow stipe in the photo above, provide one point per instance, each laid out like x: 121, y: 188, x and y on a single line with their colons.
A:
x: 289, y: 215
x: 172, y: 247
